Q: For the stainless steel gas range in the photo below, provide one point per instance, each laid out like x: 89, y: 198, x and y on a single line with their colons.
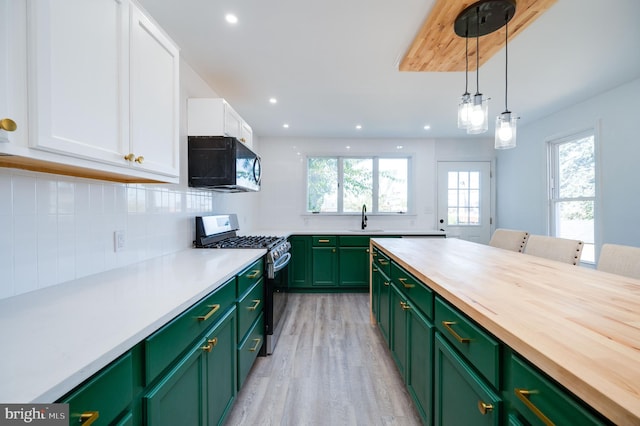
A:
x: 220, y: 231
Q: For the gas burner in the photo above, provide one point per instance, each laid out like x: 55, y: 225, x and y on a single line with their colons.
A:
x: 251, y: 241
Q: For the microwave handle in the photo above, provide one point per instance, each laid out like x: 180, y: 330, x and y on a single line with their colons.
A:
x: 257, y: 177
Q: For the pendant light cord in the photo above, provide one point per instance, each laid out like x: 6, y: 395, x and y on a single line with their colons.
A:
x: 477, y: 51
x: 506, y: 60
x: 466, y: 61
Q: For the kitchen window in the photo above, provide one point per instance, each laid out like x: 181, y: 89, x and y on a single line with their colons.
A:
x: 345, y: 184
x: 572, y: 190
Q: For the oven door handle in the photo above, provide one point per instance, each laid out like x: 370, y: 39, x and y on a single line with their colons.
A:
x: 281, y: 262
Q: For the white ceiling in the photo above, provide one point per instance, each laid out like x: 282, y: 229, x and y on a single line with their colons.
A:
x: 333, y: 64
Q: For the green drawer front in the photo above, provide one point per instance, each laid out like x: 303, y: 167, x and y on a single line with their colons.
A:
x: 413, y: 289
x: 172, y: 339
x: 461, y: 397
x: 249, y: 348
x: 539, y: 401
x: 353, y: 241
x: 108, y: 393
x: 250, y: 276
x: 323, y: 240
x: 382, y: 261
x: 249, y: 307
x: 480, y: 349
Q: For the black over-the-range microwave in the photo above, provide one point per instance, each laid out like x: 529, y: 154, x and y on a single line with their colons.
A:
x: 222, y: 163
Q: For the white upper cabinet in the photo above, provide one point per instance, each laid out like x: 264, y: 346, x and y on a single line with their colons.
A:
x: 215, y: 117
x: 102, y: 90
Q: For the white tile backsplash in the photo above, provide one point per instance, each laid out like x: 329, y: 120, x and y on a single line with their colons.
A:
x: 57, y: 228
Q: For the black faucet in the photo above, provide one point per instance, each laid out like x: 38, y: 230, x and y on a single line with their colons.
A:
x: 364, y: 216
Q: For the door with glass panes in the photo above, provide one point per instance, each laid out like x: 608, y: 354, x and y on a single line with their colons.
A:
x: 464, y: 199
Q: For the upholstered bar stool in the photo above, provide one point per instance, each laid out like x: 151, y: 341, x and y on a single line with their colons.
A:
x: 560, y: 249
x: 621, y: 260
x: 509, y: 239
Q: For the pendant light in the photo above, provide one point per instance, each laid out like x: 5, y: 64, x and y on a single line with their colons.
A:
x: 479, y: 117
x: 506, y: 122
x: 480, y: 18
x: 464, y: 107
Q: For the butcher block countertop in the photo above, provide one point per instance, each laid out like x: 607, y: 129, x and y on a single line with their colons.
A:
x: 578, y: 325
x: 55, y: 338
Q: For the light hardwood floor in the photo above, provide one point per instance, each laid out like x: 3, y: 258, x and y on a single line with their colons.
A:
x: 330, y: 367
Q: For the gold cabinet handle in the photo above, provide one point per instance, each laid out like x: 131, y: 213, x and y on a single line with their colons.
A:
x: 88, y: 417
x: 405, y: 306
x: 8, y: 124
x: 367, y: 250
x: 256, y: 346
x: 448, y: 324
x: 139, y: 159
x: 387, y: 283
x: 522, y: 395
x: 403, y: 281
x: 375, y: 269
x: 323, y: 241
x: 211, y: 343
x: 333, y: 250
x: 130, y: 156
x: 253, y: 274
x: 214, y: 309
x: 375, y: 254
x: 383, y: 262
x: 255, y: 305
x: 484, y: 407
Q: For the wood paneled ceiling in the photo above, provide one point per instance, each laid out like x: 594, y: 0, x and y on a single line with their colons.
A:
x: 436, y: 47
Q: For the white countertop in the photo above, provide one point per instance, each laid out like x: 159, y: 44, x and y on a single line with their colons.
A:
x: 55, y: 338
x: 354, y: 232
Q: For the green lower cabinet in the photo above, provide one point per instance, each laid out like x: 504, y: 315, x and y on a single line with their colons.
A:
x: 249, y: 348
x: 461, y: 397
x: 201, y: 387
x: 324, y: 270
x: 536, y: 400
x: 398, y: 335
x: 419, y: 377
x: 376, y: 283
x: 299, y: 269
x: 384, y: 307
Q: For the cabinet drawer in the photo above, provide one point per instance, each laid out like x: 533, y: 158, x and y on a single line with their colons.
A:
x: 461, y: 397
x: 539, y: 401
x: 480, y: 349
x: 172, y: 339
x: 249, y: 348
x: 413, y: 289
x: 250, y: 276
x: 323, y: 240
x: 106, y: 395
x: 382, y: 261
x: 249, y: 307
x: 353, y: 241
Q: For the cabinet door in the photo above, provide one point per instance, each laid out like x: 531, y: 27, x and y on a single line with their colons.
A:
x: 384, y: 321
x: 420, y: 363
x: 376, y: 283
x: 232, y: 122
x: 246, y: 134
x: 461, y: 397
x: 179, y: 398
x: 325, y: 267
x: 300, y: 266
x: 78, y: 67
x: 154, y: 90
x: 398, y: 335
x: 221, y: 370
x: 354, y: 267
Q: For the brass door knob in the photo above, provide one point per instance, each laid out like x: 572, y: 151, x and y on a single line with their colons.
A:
x: 8, y: 124
x: 130, y: 156
x: 139, y: 159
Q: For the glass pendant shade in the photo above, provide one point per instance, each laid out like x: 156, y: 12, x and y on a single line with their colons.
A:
x: 506, y: 131
x: 464, y: 111
x: 479, y: 117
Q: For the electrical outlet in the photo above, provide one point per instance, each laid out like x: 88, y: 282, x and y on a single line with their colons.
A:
x: 118, y: 241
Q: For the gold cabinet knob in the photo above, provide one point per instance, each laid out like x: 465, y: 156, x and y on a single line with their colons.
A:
x: 484, y: 407
x: 8, y: 124
x: 88, y: 417
x: 130, y: 156
x: 139, y: 159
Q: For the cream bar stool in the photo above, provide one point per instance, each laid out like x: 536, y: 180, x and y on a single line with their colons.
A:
x: 509, y: 239
x: 560, y: 249
x: 621, y: 260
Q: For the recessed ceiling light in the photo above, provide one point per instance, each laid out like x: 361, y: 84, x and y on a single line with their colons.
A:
x: 427, y: 127
x: 399, y: 146
x: 273, y: 100
x: 285, y: 125
x: 348, y: 147
x: 358, y: 127
x: 231, y: 18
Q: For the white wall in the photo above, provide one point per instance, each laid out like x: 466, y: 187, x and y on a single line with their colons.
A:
x: 57, y: 228
x: 521, y: 172
x: 282, y: 199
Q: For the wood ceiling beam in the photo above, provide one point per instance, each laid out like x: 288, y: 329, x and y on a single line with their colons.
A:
x: 436, y: 47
